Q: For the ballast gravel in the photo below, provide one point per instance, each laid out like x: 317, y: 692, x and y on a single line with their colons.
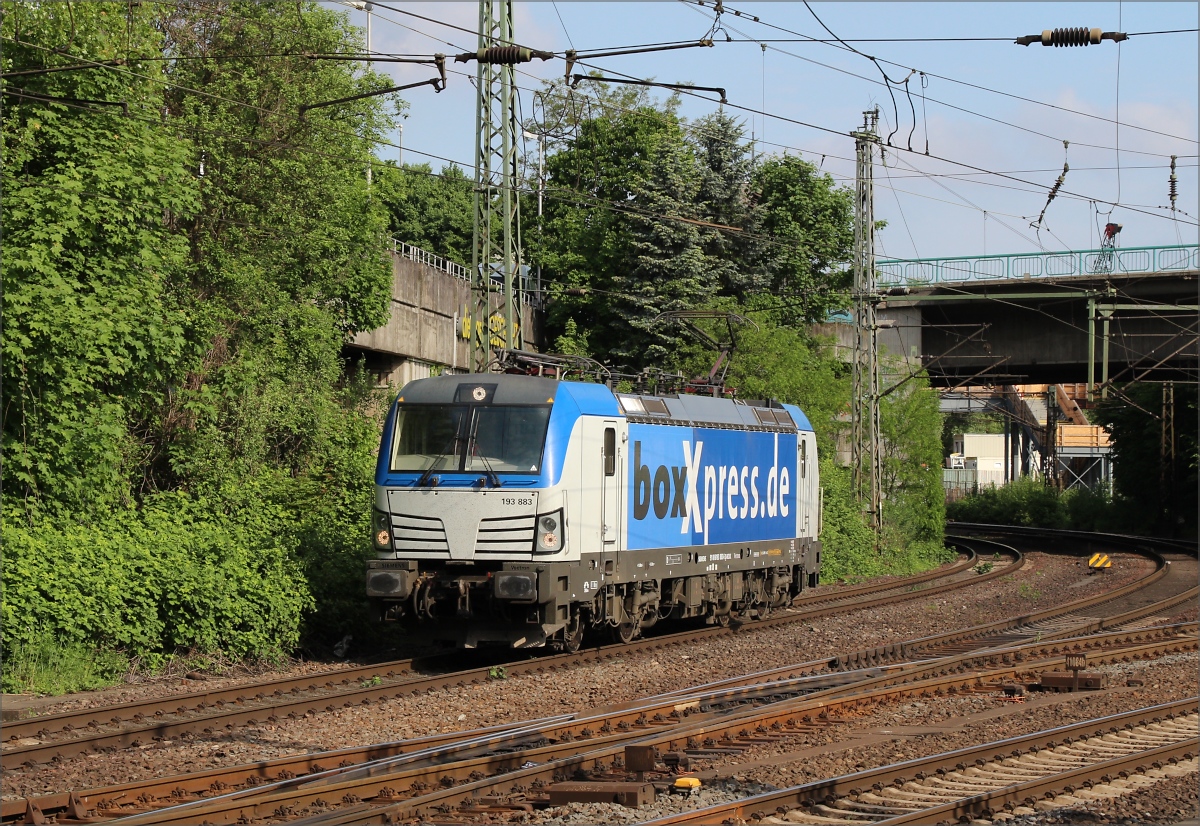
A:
x: 1047, y: 579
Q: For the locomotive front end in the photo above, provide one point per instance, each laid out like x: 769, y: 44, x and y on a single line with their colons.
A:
x: 467, y: 514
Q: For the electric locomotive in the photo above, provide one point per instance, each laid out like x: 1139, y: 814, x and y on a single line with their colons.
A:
x: 524, y: 511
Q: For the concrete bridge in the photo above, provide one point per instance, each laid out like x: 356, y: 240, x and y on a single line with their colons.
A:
x: 1089, y: 316
x: 1094, y: 316
x: 430, y: 327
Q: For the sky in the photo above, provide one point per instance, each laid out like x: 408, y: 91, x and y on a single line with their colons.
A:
x: 981, y: 106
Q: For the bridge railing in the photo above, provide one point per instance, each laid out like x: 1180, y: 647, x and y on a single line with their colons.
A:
x: 1022, y: 266
x: 421, y: 256
x: 455, y: 269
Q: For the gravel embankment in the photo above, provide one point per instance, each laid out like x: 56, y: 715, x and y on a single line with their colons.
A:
x: 921, y: 728
x: 1045, y: 581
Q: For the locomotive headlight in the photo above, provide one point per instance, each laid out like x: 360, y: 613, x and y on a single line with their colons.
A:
x: 381, y: 523
x: 549, y: 533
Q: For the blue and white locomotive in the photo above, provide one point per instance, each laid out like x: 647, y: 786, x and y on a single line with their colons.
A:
x: 523, y: 511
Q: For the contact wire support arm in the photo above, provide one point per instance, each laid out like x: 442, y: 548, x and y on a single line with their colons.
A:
x: 438, y: 84
x: 571, y: 56
x: 678, y: 87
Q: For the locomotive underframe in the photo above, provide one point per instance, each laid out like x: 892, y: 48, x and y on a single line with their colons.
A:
x: 533, y: 604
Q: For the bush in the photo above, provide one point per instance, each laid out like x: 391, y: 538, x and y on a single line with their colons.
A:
x: 44, y: 666
x: 847, y: 545
x: 1030, y: 503
x: 1023, y: 502
x: 176, y: 574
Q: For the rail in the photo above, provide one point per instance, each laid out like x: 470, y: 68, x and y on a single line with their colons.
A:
x: 1027, y: 266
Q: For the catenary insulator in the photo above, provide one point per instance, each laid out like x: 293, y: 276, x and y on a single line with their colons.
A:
x: 1171, y: 182
x: 503, y: 55
x: 1071, y: 37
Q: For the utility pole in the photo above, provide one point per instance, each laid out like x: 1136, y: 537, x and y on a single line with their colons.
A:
x: 496, y: 203
x: 1166, y: 478
x: 540, y: 299
x: 1050, y: 439
x: 866, y: 456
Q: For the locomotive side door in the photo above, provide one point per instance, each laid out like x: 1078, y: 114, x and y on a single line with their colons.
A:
x: 610, y: 467
x: 602, y: 488
x: 806, y: 489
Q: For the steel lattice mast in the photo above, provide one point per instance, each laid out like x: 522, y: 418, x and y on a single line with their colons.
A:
x: 497, y: 225
x: 866, y: 438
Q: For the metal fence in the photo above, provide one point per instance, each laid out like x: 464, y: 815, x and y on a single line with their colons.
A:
x: 421, y: 256
x: 1023, y: 266
x: 529, y: 295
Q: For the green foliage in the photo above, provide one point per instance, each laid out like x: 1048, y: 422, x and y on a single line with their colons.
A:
x: 983, y: 568
x: 433, y: 212
x: 182, y: 446
x: 43, y: 666
x: 287, y: 241
x: 1031, y: 503
x: 848, y: 547
x: 914, y: 510
x: 647, y: 214
x: 1025, y: 501
x: 94, y: 335
x: 176, y: 574
x: 572, y: 342
x: 812, y: 218
x: 1161, y: 494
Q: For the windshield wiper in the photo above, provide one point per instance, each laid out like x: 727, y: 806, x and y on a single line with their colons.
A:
x: 424, y: 477
x: 473, y: 450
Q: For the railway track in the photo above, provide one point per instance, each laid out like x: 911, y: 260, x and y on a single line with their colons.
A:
x: 70, y: 734
x: 559, y: 747
x: 1172, y: 584
x: 1099, y: 757
x: 435, y: 772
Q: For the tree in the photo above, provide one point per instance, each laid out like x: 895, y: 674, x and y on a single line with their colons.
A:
x: 287, y: 248
x: 432, y: 211
x: 94, y: 199
x: 1158, y: 495
x: 914, y: 499
x: 610, y: 258
x: 723, y: 197
x: 810, y: 221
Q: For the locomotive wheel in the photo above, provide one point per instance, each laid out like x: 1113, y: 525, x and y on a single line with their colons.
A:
x: 722, y: 620
x: 625, y: 632
x: 763, y: 610
x: 573, y: 634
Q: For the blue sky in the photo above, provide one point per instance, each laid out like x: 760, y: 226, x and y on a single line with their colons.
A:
x: 933, y: 208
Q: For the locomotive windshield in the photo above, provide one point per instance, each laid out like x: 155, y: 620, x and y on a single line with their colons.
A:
x: 470, y: 438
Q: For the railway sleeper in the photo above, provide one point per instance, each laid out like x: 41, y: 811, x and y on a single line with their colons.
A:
x: 832, y: 815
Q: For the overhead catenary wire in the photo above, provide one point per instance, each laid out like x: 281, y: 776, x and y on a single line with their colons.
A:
x: 839, y: 45
x: 841, y: 133
x: 904, y: 218
x: 765, y: 114
x: 251, y: 106
x: 735, y: 106
x: 449, y: 160
x: 964, y: 110
x: 919, y: 39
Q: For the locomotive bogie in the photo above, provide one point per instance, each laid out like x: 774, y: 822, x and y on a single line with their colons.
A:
x: 577, y: 508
